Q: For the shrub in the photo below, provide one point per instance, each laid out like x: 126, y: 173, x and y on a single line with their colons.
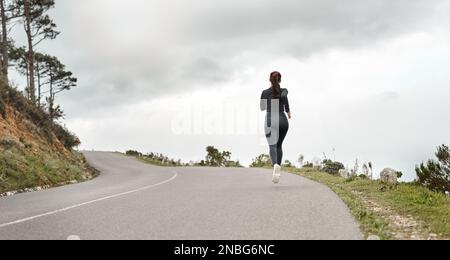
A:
x: 233, y: 164
x: 435, y: 175
x: 332, y: 167
x: 29, y: 110
x: 68, y: 139
x: 133, y: 153
x: 308, y: 165
x: 8, y: 143
x: 261, y: 161
x: 217, y: 158
x: 37, y: 116
x: 288, y: 164
x: 201, y: 163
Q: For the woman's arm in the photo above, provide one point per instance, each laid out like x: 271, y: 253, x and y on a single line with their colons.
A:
x: 284, y: 95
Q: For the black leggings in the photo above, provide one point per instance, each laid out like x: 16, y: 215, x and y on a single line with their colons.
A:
x: 276, y: 132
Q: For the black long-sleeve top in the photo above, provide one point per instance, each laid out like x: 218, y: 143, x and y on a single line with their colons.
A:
x: 266, y: 101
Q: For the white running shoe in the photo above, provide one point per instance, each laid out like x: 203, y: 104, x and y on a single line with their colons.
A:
x: 276, y: 174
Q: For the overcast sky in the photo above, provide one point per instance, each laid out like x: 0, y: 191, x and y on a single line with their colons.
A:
x: 367, y: 78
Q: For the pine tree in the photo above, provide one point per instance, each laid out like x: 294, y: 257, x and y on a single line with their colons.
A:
x: 9, y: 10
x: 435, y: 175
x: 52, y: 77
x: 38, y: 27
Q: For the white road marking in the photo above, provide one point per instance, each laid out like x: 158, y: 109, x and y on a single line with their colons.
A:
x: 88, y: 203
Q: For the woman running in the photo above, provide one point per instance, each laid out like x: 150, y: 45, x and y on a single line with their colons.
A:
x: 275, y: 101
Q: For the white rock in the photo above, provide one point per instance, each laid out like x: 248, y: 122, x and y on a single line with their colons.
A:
x: 389, y: 176
x: 373, y: 238
x: 73, y: 238
x: 11, y: 193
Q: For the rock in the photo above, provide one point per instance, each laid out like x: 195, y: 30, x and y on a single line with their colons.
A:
x: 11, y: 193
x: 389, y: 176
x: 344, y: 173
x: 73, y: 238
x: 373, y: 238
x: 432, y: 237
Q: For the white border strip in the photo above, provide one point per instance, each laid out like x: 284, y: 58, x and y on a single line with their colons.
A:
x: 88, y: 203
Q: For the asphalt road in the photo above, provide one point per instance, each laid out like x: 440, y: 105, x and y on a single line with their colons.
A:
x: 133, y: 200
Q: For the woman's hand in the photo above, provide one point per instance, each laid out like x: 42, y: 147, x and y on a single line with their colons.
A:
x: 290, y: 115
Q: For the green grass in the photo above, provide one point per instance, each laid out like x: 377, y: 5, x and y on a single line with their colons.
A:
x: 152, y: 161
x: 21, y: 169
x: 407, y: 199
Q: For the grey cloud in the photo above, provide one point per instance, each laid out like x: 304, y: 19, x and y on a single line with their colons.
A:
x: 133, y: 52
x: 157, y: 48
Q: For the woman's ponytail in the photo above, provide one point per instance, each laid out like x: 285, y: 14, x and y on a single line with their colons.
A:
x: 275, y: 79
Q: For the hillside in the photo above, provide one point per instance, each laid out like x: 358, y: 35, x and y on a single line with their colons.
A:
x: 35, y: 151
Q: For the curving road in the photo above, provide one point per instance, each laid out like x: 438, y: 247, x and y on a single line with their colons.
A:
x: 132, y: 200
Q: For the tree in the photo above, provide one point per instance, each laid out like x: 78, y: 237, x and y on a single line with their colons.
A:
x: 435, y: 175
x: 42, y: 71
x: 9, y: 10
x: 261, y: 161
x: 332, y: 167
x: 216, y: 158
x: 59, y: 80
x: 52, y: 77
x: 38, y: 27
x: 19, y: 57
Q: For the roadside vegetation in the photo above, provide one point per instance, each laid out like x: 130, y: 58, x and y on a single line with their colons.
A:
x: 405, y: 211
x: 157, y: 159
x: 36, y: 150
x: 418, y: 210
x: 21, y: 171
x: 213, y: 158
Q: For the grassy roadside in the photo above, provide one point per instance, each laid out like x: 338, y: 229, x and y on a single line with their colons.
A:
x: 150, y: 161
x: 405, y: 212
x: 22, y: 171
